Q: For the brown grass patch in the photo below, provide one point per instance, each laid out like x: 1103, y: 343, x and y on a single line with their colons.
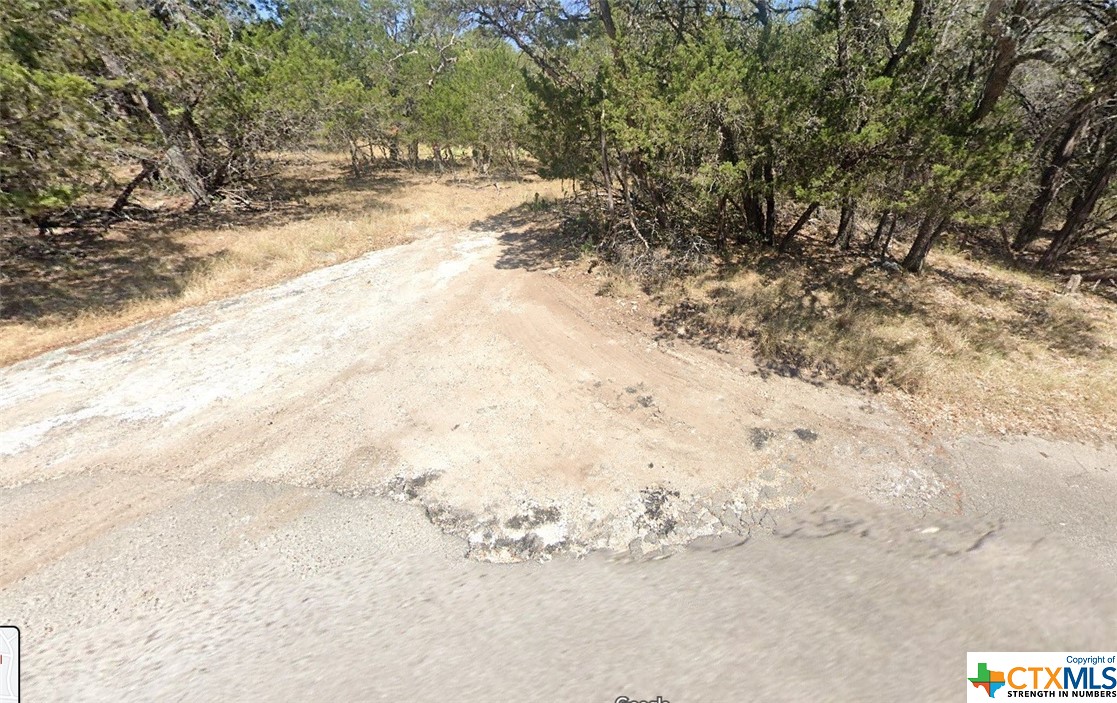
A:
x: 73, y: 285
x: 968, y: 344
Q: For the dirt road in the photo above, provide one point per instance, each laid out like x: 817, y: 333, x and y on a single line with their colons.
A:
x: 302, y: 469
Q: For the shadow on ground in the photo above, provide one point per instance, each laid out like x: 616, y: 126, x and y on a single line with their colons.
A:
x: 824, y: 313
x: 534, y: 236
x: 80, y: 271
x: 87, y: 262
x: 841, y: 315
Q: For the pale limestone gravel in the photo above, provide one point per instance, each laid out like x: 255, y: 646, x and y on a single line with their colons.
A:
x: 301, y: 469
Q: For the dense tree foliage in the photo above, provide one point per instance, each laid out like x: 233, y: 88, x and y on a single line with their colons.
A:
x: 698, y: 124
x: 195, y: 91
x: 736, y: 120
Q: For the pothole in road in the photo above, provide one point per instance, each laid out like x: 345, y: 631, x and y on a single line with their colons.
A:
x: 654, y: 521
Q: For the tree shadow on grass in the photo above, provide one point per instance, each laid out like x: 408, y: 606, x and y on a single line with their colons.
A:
x: 823, y: 313
x: 829, y: 313
x: 812, y: 316
x: 71, y: 273
x: 1032, y: 314
x: 89, y: 262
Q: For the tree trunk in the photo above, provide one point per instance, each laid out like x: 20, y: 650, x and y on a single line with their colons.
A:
x: 929, y: 230
x: 1002, y: 65
x: 183, y: 173
x: 769, y: 203
x: 754, y: 214
x: 196, y: 146
x: 625, y: 166
x: 181, y: 164
x: 723, y: 239
x: 785, y: 242
x: 905, y: 43
x: 643, y: 178
x: 606, y: 177
x: 997, y: 80
x: 1082, y: 206
x: 183, y: 169
x: 888, y: 238
x: 1049, y: 184
x: 846, y: 224
x: 354, y: 160
x: 878, y: 234
x: 122, y: 199
x: 727, y: 153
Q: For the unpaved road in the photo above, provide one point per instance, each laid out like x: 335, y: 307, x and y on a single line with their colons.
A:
x: 271, y: 496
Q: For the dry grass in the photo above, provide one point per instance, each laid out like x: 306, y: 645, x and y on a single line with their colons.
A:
x: 72, y: 286
x: 967, y: 344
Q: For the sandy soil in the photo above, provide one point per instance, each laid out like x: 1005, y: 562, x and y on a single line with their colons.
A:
x: 278, y: 432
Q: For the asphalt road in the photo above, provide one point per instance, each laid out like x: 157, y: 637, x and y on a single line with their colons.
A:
x: 363, y: 599
x: 301, y: 493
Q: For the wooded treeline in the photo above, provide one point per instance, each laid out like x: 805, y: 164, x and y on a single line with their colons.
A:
x: 737, y: 119
x: 196, y: 92
x: 698, y: 123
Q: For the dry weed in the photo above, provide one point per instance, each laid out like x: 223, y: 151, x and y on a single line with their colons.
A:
x: 73, y: 286
x: 966, y: 342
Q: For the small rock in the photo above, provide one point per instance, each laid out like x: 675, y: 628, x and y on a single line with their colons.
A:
x: 759, y: 437
x: 806, y: 435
